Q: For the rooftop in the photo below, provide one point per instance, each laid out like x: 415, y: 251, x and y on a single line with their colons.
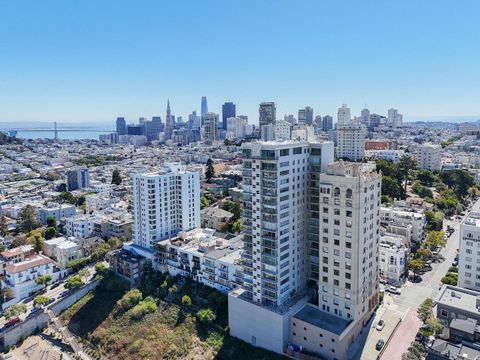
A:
x: 459, y: 298
x: 29, y: 263
x: 322, y: 319
x: 473, y: 219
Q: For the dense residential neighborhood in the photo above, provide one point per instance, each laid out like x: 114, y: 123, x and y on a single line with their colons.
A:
x: 282, y: 225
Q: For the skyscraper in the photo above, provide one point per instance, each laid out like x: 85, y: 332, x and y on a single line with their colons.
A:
x: 365, y: 117
x: 395, y: 120
x: 343, y: 116
x: 164, y: 203
x: 305, y: 116
x: 204, y: 108
x: 168, y: 122
x: 267, y: 113
x: 210, y: 124
x: 121, y: 126
x: 228, y: 111
x: 327, y: 123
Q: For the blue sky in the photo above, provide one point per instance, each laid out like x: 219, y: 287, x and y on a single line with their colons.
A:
x: 91, y: 61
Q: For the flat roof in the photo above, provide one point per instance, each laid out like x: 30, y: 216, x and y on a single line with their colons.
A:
x: 459, y: 298
x: 322, y: 319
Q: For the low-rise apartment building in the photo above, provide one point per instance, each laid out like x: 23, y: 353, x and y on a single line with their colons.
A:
x: 199, y: 254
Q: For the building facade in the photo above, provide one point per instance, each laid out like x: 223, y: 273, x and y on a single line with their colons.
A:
x: 164, y: 203
x: 469, y: 253
x: 429, y: 157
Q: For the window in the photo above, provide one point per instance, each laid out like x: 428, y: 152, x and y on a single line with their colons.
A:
x: 444, y: 313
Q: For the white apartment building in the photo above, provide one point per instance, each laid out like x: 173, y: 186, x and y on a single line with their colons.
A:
x: 79, y: 226
x: 393, y: 259
x: 399, y: 217
x: 275, y: 211
x: 395, y: 120
x: 391, y: 155
x: 283, y: 130
x: 342, y: 235
x: 164, y: 203
x: 55, y: 211
x: 21, y: 276
x: 200, y: 255
x: 429, y: 157
x: 62, y: 250
x: 236, y: 127
x: 351, y: 141
x: 469, y: 253
x: 349, y: 231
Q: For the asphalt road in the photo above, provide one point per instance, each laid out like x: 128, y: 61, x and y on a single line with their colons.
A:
x: 413, y: 294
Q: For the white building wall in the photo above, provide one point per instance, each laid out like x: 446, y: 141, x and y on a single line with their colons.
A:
x: 469, y: 253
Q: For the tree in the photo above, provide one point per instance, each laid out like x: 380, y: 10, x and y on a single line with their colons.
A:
x: 51, y: 222
x: 392, y: 187
x: 28, y: 219
x: 416, y: 265
x: 237, y: 226
x: 73, y: 282
x: 66, y: 197
x: 36, y: 239
x: 7, y: 293
x: 434, y: 325
x: 172, y: 289
x: 206, y: 316
x: 19, y: 240
x: 101, y: 268
x: 204, y: 202
x: 434, y: 220
x: 3, y: 226
x: 164, y: 287
x: 41, y: 300
x: 50, y: 233
x: 100, y: 252
x: 450, y: 279
x: 405, y: 166
x: 210, y: 171
x: 425, y: 177
x: 435, y: 239
x: 116, y: 177
x: 15, y: 310
x: 424, y: 311
x: 130, y: 299
x: 423, y: 253
x: 114, y: 242
x: 186, y: 301
x: 43, y: 280
x: 84, y: 274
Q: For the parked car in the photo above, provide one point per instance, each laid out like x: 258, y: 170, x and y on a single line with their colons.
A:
x: 64, y: 293
x: 394, y: 290
x: 380, y: 325
x: 54, y: 286
x: 419, y: 337
x: 12, y: 322
x: 380, y: 344
x: 455, y: 263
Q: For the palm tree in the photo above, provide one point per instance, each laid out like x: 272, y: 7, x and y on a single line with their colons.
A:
x: 405, y: 166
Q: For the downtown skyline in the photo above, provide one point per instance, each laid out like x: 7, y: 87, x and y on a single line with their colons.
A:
x: 93, y: 62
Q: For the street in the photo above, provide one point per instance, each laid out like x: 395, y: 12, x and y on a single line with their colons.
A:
x: 413, y: 294
x: 401, y: 309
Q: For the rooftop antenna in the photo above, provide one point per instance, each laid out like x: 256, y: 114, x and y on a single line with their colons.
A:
x: 55, y: 130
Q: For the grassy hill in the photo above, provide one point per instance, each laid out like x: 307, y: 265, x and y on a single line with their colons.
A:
x: 121, y: 324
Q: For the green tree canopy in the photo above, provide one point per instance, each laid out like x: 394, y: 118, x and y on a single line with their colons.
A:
x: 116, y: 177
x: 41, y: 301
x: 210, y: 171
x: 74, y: 282
x: 28, y: 219
x: 15, y: 310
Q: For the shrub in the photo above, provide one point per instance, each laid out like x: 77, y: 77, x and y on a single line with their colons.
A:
x: 130, y: 299
x: 206, y: 316
x: 186, y: 300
